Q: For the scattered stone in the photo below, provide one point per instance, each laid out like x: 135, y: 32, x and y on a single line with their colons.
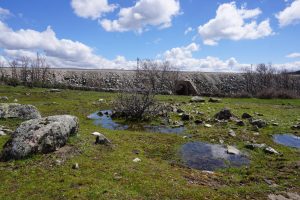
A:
x: 136, y: 160
x: 214, y: 100
x: 246, y: 116
x: 101, y: 100
x: 224, y: 114
x: 256, y: 133
x: 135, y: 151
x: 197, y: 99
x: 2, y: 133
x: 275, y: 124
x: 117, y: 176
x: 185, y: 117
x: 259, y: 123
x: 101, y: 139
x: 198, y: 121
x: 297, y: 126
x: 14, y: 110
x: 271, y: 150
x: 288, y: 196
x: 207, y: 125
x: 221, y: 141
x: 3, y: 98
x: 232, y: 150
x: 15, y: 100
x: 75, y: 166
x: 179, y: 110
x: 43, y: 135
x: 240, y: 123
x: 232, y: 133
x: 255, y: 146
x: 54, y: 90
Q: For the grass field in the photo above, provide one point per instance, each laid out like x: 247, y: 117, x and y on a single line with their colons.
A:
x: 109, y: 173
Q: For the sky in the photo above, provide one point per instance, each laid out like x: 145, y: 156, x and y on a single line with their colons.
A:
x: 192, y: 35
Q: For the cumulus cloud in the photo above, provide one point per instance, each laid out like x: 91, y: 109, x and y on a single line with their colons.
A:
x: 144, y: 13
x: 4, y: 13
x: 182, y: 58
x: 233, y: 23
x: 92, y: 9
x: 59, y: 52
x: 290, y: 15
x: 293, y: 55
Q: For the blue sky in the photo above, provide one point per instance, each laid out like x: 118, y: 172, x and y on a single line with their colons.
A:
x: 201, y: 35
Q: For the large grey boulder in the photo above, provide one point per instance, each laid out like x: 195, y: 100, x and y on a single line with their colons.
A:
x: 40, y: 136
x: 15, y: 110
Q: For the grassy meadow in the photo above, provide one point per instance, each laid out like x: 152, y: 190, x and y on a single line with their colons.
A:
x: 108, y: 172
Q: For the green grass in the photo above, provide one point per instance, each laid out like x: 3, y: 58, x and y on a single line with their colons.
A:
x: 159, y: 175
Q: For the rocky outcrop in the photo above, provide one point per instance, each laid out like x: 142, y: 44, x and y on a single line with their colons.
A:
x: 40, y: 136
x: 15, y: 110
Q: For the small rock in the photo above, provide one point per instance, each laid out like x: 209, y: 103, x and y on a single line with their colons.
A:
x: 246, y: 116
x: 207, y: 125
x: 15, y: 100
x: 254, y: 146
x: 198, y: 121
x: 221, y: 141
x: 259, y: 123
x: 275, y: 124
x: 197, y: 99
x: 214, y: 100
x: 54, y: 90
x: 224, y: 114
x: 185, y: 117
x: 179, y: 110
x: 3, y: 98
x: 271, y: 150
x: 232, y: 150
x: 136, y: 160
x: 135, y: 151
x: 232, y: 133
x: 240, y: 123
x: 2, y: 133
x: 256, y: 133
x: 101, y: 139
x: 75, y: 166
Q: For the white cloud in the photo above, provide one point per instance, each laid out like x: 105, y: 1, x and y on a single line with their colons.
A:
x: 189, y: 29
x: 144, y: 13
x: 293, y: 55
x: 93, y: 9
x: 182, y: 58
x: 231, y: 23
x: 4, y: 13
x: 59, y: 52
x: 290, y: 15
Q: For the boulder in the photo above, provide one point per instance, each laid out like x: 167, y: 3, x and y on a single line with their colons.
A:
x: 224, y: 114
x: 3, y: 98
x: 259, y: 123
x: 101, y: 139
x: 232, y: 150
x: 246, y: 116
x: 15, y: 110
x: 197, y: 99
x: 42, y: 135
x: 214, y: 100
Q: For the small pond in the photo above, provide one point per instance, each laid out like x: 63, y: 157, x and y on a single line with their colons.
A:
x: 289, y: 140
x: 204, y: 156
x: 103, y: 118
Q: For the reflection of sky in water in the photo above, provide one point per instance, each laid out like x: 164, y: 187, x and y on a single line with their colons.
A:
x: 210, y: 157
x: 106, y: 121
x: 287, y: 140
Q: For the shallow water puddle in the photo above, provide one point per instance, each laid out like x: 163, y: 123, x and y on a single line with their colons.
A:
x: 289, y: 140
x: 204, y: 156
x: 103, y: 118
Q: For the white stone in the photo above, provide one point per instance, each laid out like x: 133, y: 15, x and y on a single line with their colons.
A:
x: 136, y: 160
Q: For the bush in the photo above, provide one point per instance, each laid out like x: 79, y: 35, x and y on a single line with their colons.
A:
x: 273, y: 93
x: 136, y: 106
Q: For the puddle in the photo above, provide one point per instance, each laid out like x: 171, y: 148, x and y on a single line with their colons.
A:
x: 103, y: 118
x: 289, y: 140
x: 204, y: 156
